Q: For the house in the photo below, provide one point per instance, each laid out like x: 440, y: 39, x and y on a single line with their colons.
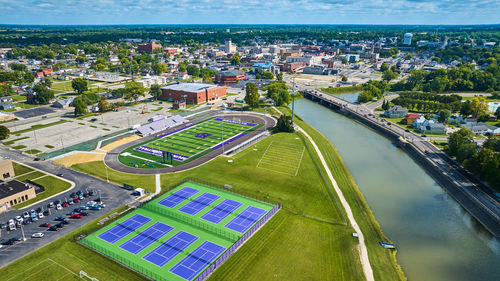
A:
x: 418, y: 122
x: 6, y: 116
x: 396, y: 112
x: 410, y: 118
x: 265, y: 66
x: 65, y: 103
x: 481, y: 128
x: 6, y: 106
x: 455, y: 120
x: 5, y: 99
x: 433, y: 128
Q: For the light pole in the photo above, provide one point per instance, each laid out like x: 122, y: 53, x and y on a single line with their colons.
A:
x: 22, y: 230
x: 107, y: 178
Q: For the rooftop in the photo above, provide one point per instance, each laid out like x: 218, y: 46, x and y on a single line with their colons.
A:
x: 189, y: 87
x: 12, y: 187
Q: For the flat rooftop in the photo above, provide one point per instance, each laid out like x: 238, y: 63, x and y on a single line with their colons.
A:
x: 189, y: 87
x: 12, y: 187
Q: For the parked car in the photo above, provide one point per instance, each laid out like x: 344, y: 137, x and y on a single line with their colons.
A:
x: 95, y: 208
x: 102, y: 205
x: 86, y: 194
x: 45, y: 225
x: 58, y: 207
x: 72, y: 195
x: 59, y: 218
x: 91, y: 193
x: 76, y: 216
x: 26, y: 215
x: 12, y: 225
x: 70, y: 202
x: 46, y: 212
x: 75, y: 200
x: 40, y: 215
x: 19, y: 219
x: 80, y: 197
x: 8, y: 242
x: 53, y: 228
x: 37, y: 235
x: 60, y: 175
x: 26, y: 221
x: 65, y: 222
x: 60, y: 225
x: 84, y: 207
x: 65, y: 204
x: 17, y: 238
x: 3, y: 225
x: 71, y: 213
x: 84, y: 213
x: 51, y: 205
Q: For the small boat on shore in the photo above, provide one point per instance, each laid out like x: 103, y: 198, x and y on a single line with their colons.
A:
x: 387, y: 245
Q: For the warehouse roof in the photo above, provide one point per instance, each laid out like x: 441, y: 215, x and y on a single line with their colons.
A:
x: 189, y: 87
x: 232, y: 72
x: 12, y: 187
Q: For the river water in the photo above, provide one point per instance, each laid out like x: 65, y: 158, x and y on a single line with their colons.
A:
x: 437, y: 239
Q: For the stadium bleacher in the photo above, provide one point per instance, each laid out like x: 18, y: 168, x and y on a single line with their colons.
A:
x: 161, y: 125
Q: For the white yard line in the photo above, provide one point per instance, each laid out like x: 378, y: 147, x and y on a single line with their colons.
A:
x: 363, y: 251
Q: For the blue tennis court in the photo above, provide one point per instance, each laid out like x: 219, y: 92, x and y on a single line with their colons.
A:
x: 124, y: 228
x: 170, y: 248
x: 146, y: 238
x: 177, y: 197
x: 246, y: 219
x: 195, y: 262
x: 221, y: 211
x: 199, y: 203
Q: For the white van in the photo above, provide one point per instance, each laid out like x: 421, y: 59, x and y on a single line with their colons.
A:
x: 12, y: 225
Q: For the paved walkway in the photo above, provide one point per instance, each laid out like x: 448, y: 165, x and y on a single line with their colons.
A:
x: 363, y: 251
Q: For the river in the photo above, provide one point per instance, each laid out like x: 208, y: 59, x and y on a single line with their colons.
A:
x: 437, y: 239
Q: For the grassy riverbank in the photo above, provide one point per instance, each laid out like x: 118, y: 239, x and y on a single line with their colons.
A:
x: 340, y: 90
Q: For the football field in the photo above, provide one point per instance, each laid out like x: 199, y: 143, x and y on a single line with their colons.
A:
x: 186, y: 144
x: 181, y: 234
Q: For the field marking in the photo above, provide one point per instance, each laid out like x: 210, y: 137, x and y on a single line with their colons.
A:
x: 287, y: 158
x: 52, y: 263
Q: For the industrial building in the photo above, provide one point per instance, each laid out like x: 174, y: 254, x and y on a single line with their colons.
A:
x: 148, y: 47
x: 192, y: 93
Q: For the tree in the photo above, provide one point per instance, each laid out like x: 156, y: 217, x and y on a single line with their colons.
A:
x: 444, y: 115
x: 384, y: 67
x: 364, y: 96
x: 497, y: 113
x: 479, y: 106
x: 193, y: 70
x: 159, y: 68
x: 252, y: 95
x: 389, y: 75
x: 385, y: 105
x: 47, y: 82
x: 268, y: 75
x: 79, y: 85
x: 466, y: 109
x: 104, y: 105
x: 284, y: 124
x: 278, y: 92
x: 155, y: 91
x: 279, y: 76
x: 43, y: 95
x: 458, y: 139
x: 134, y: 90
x: 4, y: 133
x: 6, y: 90
x: 344, y: 78
x: 235, y: 60
x: 80, y: 106
x: 18, y: 67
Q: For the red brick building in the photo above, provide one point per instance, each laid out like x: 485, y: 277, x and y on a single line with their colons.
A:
x: 291, y: 66
x: 193, y: 93
x: 229, y: 77
x: 148, y: 47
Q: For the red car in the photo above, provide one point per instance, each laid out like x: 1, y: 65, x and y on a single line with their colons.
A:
x: 65, y: 204
x: 76, y: 216
x: 75, y: 200
x: 45, y: 225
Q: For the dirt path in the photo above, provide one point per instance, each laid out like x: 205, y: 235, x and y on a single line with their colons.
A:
x: 363, y: 251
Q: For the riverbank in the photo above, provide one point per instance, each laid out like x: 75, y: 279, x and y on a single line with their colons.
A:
x: 384, y: 263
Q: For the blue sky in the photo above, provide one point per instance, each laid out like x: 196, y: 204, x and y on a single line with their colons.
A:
x: 249, y: 12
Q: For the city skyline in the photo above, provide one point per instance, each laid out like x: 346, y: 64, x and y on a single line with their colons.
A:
x: 410, y: 12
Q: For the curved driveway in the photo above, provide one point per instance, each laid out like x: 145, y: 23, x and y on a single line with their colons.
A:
x: 111, y: 158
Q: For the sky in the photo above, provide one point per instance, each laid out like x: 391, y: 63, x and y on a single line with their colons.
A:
x: 71, y: 12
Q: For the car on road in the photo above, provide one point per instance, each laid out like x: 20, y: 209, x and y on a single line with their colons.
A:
x: 424, y: 136
x: 59, y: 218
x: 76, y: 216
x: 60, y: 175
x: 427, y: 152
x: 37, y: 159
x: 37, y: 235
x: 407, y: 130
x: 53, y: 228
x: 45, y: 224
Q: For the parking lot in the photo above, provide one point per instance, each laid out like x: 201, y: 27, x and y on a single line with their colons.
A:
x: 112, y: 195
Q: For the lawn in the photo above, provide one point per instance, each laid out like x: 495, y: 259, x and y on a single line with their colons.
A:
x: 52, y: 184
x: 304, y: 241
x: 10, y: 142
x: 64, y: 259
x: 21, y: 169
x: 307, y: 240
x: 62, y: 86
x: 18, y: 98
x: 25, y: 105
x: 40, y: 126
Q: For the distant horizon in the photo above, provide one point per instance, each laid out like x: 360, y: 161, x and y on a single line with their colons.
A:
x: 255, y: 12
x: 249, y: 24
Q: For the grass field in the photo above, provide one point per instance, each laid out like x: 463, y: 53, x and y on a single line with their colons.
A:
x: 181, y: 222
x: 40, y: 126
x: 307, y: 240
x: 51, y: 184
x: 186, y: 144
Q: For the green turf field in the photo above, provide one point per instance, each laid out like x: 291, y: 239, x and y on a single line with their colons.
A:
x: 193, y: 224
x: 185, y: 145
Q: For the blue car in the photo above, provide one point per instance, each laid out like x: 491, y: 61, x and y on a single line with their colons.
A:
x: 60, y: 219
x: 95, y: 208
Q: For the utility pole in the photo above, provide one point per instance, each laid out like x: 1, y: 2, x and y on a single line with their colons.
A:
x: 293, y: 98
x: 22, y: 230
